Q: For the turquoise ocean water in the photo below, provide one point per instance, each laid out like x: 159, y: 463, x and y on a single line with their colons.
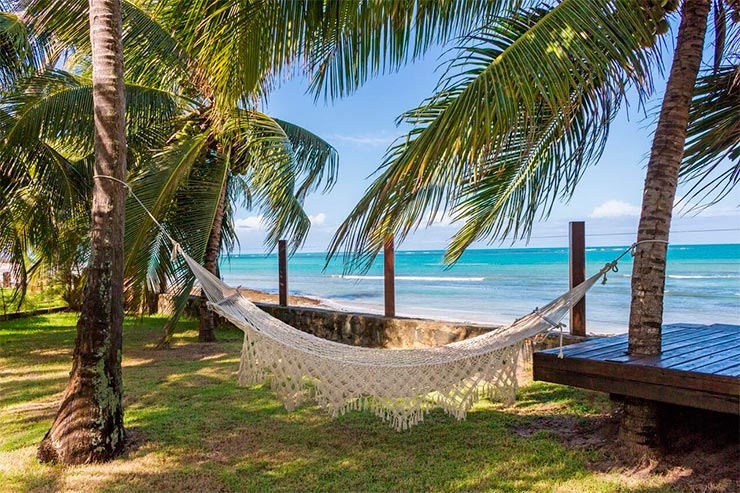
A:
x: 500, y: 285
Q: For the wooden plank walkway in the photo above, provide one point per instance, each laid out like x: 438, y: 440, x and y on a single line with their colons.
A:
x: 699, y: 367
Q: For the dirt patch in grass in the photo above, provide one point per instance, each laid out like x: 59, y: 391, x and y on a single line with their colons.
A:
x: 588, y: 433
x: 135, y: 439
x: 699, y: 452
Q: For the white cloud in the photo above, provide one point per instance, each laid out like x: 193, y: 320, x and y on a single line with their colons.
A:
x: 318, y: 219
x: 250, y: 223
x: 615, y: 208
x: 442, y: 220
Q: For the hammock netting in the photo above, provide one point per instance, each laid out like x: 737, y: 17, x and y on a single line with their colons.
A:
x: 398, y: 385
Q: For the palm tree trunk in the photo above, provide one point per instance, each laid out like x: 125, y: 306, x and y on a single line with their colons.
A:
x: 89, y: 424
x: 207, y: 331
x: 153, y: 294
x: 648, y: 273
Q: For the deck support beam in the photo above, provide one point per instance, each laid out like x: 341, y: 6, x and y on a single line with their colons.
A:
x: 577, y: 267
x: 283, y: 272
x: 389, y: 275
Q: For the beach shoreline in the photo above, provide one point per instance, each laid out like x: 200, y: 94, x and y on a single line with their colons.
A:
x: 258, y: 296
x: 496, y: 287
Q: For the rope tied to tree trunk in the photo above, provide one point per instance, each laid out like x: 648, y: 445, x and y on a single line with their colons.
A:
x: 175, y: 245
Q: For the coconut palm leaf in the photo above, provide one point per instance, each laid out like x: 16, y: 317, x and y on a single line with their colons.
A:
x: 528, y: 93
x: 153, y: 57
x: 157, y: 188
x: 178, y: 195
x: 262, y: 169
x: 14, y: 47
x: 316, y: 161
x: 712, y: 157
x: 49, y: 125
x: 354, y: 41
x: 244, y: 48
x: 21, y: 52
x: 38, y: 218
x: 263, y: 153
x: 56, y: 107
x: 47, y: 148
x: 238, y: 45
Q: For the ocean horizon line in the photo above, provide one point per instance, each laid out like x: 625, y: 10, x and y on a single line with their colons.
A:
x: 442, y: 250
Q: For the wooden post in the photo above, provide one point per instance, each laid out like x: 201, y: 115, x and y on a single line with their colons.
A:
x: 6, y: 279
x: 577, y: 236
x: 283, y: 272
x: 389, y: 275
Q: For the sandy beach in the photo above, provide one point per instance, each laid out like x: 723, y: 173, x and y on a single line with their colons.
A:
x: 264, y: 297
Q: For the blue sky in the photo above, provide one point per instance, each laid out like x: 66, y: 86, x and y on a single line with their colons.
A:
x: 362, y: 126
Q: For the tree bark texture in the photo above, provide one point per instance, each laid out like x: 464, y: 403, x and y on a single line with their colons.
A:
x: 648, y: 271
x: 89, y: 424
x: 207, y: 331
x: 640, y: 420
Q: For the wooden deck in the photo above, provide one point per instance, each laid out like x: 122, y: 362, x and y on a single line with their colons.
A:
x: 699, y: 367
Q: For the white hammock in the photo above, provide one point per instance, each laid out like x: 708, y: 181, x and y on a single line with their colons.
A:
x: 400, y: 386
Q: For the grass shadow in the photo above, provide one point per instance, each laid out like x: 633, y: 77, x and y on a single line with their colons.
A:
x: 191, y: 428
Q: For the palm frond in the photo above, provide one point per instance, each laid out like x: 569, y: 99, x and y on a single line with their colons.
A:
x: 240, y: 46
x: 21, y: 50
x: 263, y: 153
x: 530, y: 92
x: 316, y: 162
x: 56, y: 107
x: 354, y: 41
x: 153, y: 56
x: 711, y: 162
x: 181, y: 191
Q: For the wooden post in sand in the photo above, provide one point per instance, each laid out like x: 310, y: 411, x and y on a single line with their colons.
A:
x: 283, y: 272
x: 389, y: 275
x: 577, y: 257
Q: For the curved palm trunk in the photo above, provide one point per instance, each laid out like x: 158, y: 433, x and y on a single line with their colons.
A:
x: 89, y: 424
x: 207, y: 331
x: 648, y: 273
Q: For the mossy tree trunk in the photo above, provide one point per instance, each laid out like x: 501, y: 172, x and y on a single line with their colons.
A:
x: 648, y: 273
x: 89, y: 424
x: 207, y: 331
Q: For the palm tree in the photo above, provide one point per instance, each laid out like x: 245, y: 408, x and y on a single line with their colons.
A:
x: 648, y: 271
x: 89, y: 424
x: 181, y: 150
x: 253, y: 159
x: 526, y: 106
x: 48, y: 126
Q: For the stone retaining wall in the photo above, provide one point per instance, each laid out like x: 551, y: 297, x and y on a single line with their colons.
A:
x: 370, y: 330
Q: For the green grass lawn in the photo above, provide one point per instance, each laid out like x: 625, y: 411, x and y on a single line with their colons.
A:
x: 191, y: 428
x: 32, y: 301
